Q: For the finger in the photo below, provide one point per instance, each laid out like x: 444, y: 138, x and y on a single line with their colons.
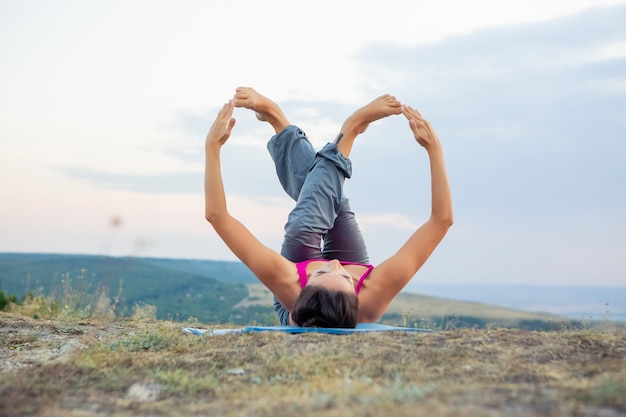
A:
x: 421, y: 127
x: 231, y: 124
x: 406, y: 111
x: 415, y: 128
x: 222, y: 110
x: 228, y: 109
x: 416, y: 113
x: 410, y: 113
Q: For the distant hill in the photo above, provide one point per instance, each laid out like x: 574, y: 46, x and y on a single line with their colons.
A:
x: 219, y: 291
x: 180, y: 289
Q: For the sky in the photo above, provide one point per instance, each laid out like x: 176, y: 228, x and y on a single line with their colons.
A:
x: 106, y: 104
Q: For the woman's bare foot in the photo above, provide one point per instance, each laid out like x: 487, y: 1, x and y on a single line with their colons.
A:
x: 266, y: 110
x: 379, y: 108
x: 384, y: 106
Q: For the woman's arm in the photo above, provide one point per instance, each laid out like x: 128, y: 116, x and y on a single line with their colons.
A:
x: 388, y: 279
x: 276, y: 272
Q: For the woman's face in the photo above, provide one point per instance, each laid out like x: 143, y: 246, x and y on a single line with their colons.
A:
x: 332, y: 276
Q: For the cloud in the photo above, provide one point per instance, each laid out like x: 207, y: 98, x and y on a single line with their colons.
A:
x: 166, y: 183
x: 531, y: 115
x: 389, y: 220
x: 530, y: 76
x: 246, y: 165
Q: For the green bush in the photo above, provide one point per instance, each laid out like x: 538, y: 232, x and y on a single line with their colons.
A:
x: 5, y: 300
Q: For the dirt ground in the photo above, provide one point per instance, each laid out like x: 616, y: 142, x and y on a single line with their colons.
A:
x: 145, y: 368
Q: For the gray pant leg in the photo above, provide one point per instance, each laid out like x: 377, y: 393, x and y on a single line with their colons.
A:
x: 345, y: 241
x: 281, y: 313
x: 318, y: 205
x: 293, y: 156
x: 296, y: 161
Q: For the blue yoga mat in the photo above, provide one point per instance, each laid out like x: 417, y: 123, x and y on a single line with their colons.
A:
x: 360, y: 328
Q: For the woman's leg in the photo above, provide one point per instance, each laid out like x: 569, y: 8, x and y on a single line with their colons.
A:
x: 344, y: 240
x: 321, y: 210
x: 318, y: 205
x: 291, y: 151
x: 359, y: 121
x: 293, y: 157
x: 266, y: 110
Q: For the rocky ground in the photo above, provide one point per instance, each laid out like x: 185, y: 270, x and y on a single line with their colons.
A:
x: 147, y: 367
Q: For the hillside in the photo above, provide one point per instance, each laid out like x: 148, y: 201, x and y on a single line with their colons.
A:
x: 205, y: 290
x: 133, y: 367
x: 215, y: 292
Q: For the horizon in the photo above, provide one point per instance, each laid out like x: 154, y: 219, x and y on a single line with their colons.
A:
x: 413, y: 283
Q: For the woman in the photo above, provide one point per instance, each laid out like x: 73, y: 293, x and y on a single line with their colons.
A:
x: 329, y: 285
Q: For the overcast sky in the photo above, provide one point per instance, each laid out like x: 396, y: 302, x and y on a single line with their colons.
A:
x: 105, y: 106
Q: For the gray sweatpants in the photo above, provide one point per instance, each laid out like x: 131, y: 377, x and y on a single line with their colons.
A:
x: 321, y: 225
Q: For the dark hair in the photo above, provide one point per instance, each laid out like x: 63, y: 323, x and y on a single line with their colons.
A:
x: 322, y: 307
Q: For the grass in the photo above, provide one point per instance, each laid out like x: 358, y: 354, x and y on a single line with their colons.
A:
x: 111, y: 364
x: 77, y: 296
x: 71, y: 356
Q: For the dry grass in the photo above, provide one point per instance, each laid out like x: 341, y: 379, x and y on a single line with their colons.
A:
x: 149, y: 367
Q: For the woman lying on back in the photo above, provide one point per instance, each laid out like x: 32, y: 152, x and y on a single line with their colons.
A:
x: 322, y: 277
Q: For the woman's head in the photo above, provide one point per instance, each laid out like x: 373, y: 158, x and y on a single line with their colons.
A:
x: 319, y: 306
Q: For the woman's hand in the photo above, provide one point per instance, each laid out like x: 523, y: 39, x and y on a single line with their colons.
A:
x: 421, y: 128
x: 222, y: 126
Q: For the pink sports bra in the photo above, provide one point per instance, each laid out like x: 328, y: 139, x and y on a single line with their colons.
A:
x: 304, y: 279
